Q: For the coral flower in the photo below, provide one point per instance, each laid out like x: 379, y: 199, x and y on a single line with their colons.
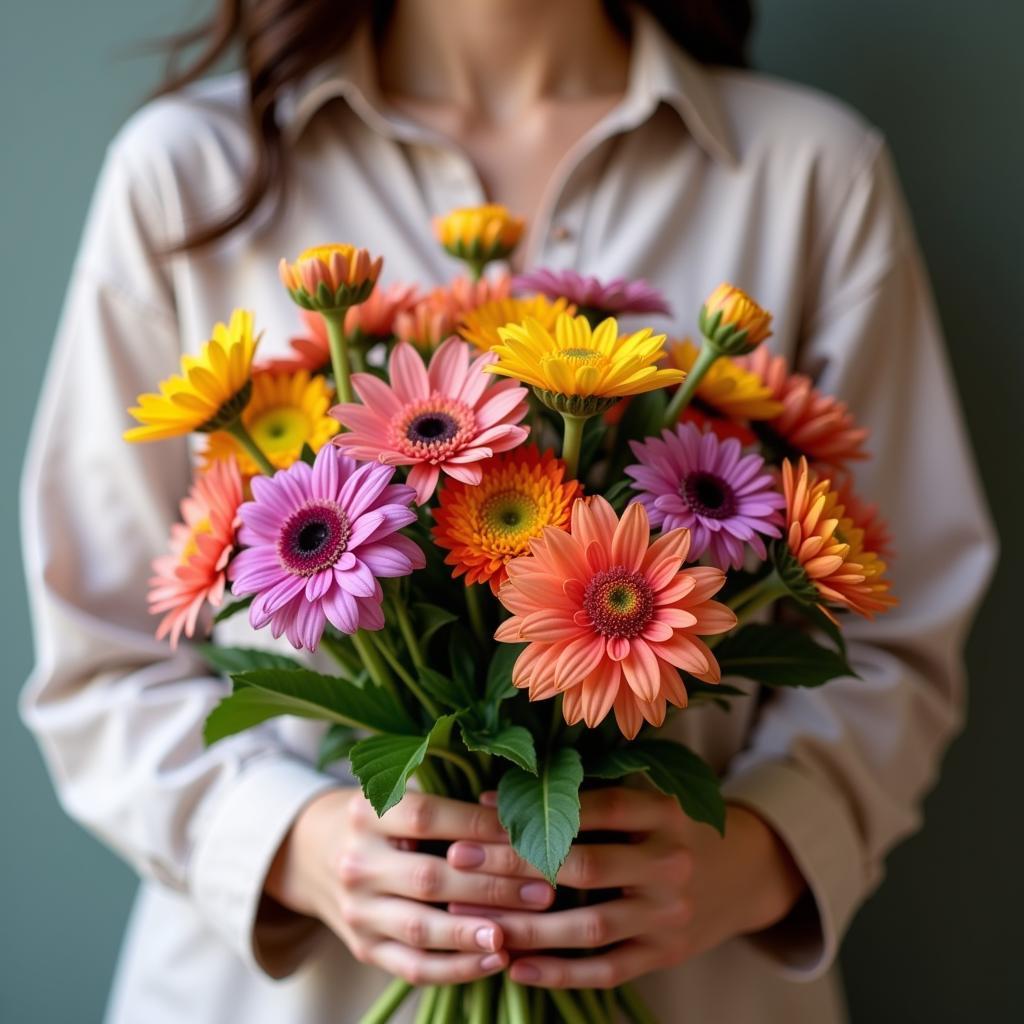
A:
x: 211, y: 392
x: 834, y: 566
x: 449, y: 417
x: 811, y: 423
x: 464, y: 294
x: 733, y: 322
x: 428, y: 323
x: 330, y: 277
x: 480, y: 325
x: 486, y: 526
x: 193, y: 573
x: 286, y: 412
x: 479, y: 234
x: 610, y: 618
x: 581, y: 370
x: 698, y: 481
x: 318, y: 540
x: 593, y: 297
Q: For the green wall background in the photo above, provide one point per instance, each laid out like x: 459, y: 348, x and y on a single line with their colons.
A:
x: 944, y: 81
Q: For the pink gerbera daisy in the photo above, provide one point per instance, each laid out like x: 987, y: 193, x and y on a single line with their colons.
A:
x: 193, y: 573
x: 449, y: 417
x: 703, y: 482
x: 608, y: 298
x: 317, y: 540
x: 609, y: 618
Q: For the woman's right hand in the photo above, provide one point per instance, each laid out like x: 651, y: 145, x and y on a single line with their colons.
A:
x: 363, y: 877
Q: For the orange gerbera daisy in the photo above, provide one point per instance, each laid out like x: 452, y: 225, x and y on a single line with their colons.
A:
x: 610, y: 618
x: 828, y: 547
x: 811, y: 423
x: 485, y: 526
x: 192, y: 574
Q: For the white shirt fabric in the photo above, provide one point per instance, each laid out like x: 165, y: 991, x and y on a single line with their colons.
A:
x: 699, y: 175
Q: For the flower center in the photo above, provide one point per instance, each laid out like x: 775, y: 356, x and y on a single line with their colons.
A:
x: 280, y: 430
x: 432, y: 429
x: 581, y: 355
x: 508, y: 519
x: 619, y: 603
x: 708, y: 495
x: 313, y: 538
x: 191, y: 546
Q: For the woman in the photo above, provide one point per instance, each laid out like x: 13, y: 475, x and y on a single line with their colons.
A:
x: 628, y: 156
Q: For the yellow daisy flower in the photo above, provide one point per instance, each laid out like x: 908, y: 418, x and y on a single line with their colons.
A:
x: 727, y: 388
x: 578, y: 370
x: 286, y: 411
x: 211, y: 391
x: 479, y: 234
x: 733, y: 322
x: 480, y: 325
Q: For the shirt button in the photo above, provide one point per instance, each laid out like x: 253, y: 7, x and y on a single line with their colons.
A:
x: 560, y: 233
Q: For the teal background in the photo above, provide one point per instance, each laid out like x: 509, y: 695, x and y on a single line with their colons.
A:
x: 944, y: 81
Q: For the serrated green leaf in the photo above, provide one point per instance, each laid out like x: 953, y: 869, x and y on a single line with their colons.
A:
x: 512, y: 742
x: 499, y: 673
x: 674, y: 769
x: 383, y: 764
x: 262, y: 694
x: 777, y: 655
x: 232, y: 609
x: 336, y: 744
x: 231, y: 660
x: 429, y: 619
x: 541, y: 812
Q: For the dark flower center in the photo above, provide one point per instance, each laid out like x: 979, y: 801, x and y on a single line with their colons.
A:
x: 708, y: 495
x: 619, y: 603
x: 432, y: 428
x: 313, y: 538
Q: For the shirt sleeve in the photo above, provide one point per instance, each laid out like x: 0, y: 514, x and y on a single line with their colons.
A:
x: 840, y: 772
x: 118, y: 715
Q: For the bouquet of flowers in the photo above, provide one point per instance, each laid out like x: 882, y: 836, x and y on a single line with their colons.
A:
x: 505, y: 620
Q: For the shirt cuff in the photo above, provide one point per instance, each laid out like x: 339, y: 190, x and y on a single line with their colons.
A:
x: 821, y: 838
x: 231, y: 860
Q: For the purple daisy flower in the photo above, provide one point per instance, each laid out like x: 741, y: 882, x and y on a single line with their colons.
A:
x: 708, y: 485
x: 317, y: 540
x: 590, y: 295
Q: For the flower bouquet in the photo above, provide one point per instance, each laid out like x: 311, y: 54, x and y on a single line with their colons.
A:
x: 505, y: 621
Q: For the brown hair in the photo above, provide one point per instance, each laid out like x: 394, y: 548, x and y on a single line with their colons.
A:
x: 282, y: 40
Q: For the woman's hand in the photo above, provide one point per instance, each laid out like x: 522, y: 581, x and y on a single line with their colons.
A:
x: 362, y: 877
x: 684, y: 890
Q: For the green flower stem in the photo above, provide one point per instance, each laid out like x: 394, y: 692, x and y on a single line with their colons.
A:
x: 681, y: 399
x: 538, y: 1006
x: 392, y: 659
x: 476, y: 613
x: 572, y: 441
x: 447, y: 1005
x: 428, y: 1001
x: 335, y: 321
x: 336, y: 649
x: 245, y: 439
x: 480, y: 1002
x: 766, y: 590
x: 357, y: 359
x: 372, y: 662
x: 466, y: 767
x: 633, y: 1005
x: 476, y: 268
x: 407, y: 629
x: 516, y: 1003
x: 611, y: 1010
x: 565, y: 1003
x: 388, y: 1003
x: 592, y: 1007
x: 430, y: 780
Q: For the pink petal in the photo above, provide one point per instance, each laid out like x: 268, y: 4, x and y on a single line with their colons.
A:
x: 408, y: 374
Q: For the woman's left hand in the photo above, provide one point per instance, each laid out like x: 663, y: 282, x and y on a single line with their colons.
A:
x: 684, y: 890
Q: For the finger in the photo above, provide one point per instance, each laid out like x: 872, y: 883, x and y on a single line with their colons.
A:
x: 421, y: 927
x: 429, y: 879
x: 423, y: 816
x: 618, y: 809
x: 420, y: 968
x: 607, y: 970
x: 580, y: 928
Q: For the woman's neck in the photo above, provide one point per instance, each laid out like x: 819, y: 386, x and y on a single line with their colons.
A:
x: 495, y: 59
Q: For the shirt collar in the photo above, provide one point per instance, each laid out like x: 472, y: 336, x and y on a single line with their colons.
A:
x: 660, y: 72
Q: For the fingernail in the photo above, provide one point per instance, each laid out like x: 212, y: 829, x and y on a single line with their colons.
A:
x: 525, y: 972
x: 466, y: 855
x: 492, y: 962
x: 486, y: 938
x: 489, y: 798
x: 535, y: 892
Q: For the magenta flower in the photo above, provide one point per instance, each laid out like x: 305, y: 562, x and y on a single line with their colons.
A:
x: 317, y: 540
x: 590, y: 295
x: 706, y: 484
x: 449, y: 417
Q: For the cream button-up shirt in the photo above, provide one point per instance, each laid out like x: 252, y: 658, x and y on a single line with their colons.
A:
x: 698, y: 175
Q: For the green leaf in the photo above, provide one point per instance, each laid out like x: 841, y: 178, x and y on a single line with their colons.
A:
x: 499, y: 673
x: 337, y: 743
x: 230, y: 660
x: 643, y: 418
x: 232, y: 609
x: 512, y: 742
x: 461, y: 654
x: 711, y: 693
x: 429, y: 619
x: 675, y: 770
x: 307, y: 455
x: 449, y: 692
x: 266, y: 693
x: 541, y: 813
x: 817, y: 618
x: 383, y: 764
x: 777, y: 655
